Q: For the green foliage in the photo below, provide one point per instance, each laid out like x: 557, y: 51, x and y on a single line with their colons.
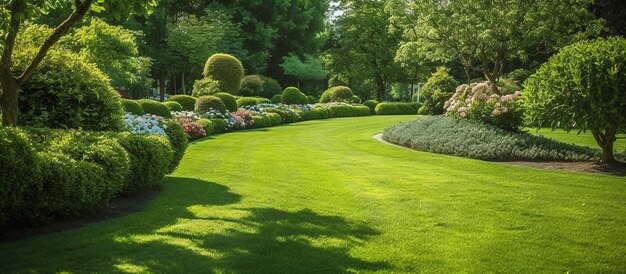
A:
x: 463, y: 138
x: 247, y: 101
x: 309, y: 69
x: 133, y: 107
x: 337, y: 94
x: 187, y: 102
x: 155, y: 108
x: 67, y: 92
x: 355, y: 99
x: 229, y: 101
x: 173, y: 106
x: 251, y: 85
x: 349, y: 110
x: 261, y: 121
x: 151, y: 157
x: 226, y: 70
x: 397, y: 108
x: 437, y: 90
x: 293, y: 96
x: 372, y: 105
x: 219, y: 126
x: 263, y: 101
x: 178, y: 141
x: 277, y: 99
x: 207, y: 125
x: 275, y: 119
x: 205, y: 103
x: 311, y: 99
x: 271, y: 87
x: 286, y: 116
x: 204, y: 87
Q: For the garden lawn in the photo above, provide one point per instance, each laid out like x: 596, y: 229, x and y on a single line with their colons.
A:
x: 582, y: 139
x: 325, y: 197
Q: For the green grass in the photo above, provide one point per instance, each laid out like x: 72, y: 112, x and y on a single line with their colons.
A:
x: 582, y: 139
x: 325, y: 197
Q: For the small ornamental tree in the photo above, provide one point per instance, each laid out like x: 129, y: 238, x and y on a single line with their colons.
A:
x: 583, y: 87
x: 12, y: 17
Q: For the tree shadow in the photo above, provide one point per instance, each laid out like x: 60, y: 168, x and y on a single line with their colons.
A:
x: 194, y: 226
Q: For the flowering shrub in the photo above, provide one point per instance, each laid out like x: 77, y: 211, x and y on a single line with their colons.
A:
x: 193, y: 129
x: 477, y: 102
x: 185, y: 114
x: 243, y: 119
x: 226, y: 116
x: 147, y: 124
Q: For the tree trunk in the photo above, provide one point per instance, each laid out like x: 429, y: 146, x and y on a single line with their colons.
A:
x: 183, y: 83
x: 162, y: 86
x: 605, y: 141
x: 9, y: 99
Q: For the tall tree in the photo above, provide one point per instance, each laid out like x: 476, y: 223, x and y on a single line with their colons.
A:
x: 486, y: 35
x: 16, y: 12
x: 310, y: 68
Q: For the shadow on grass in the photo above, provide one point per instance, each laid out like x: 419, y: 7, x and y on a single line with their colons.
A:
x: 194, y: 226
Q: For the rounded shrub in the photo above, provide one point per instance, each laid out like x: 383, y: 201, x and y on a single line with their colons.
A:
x: 226, y: 70
x: 173, y: 106
x: 207, y: 125
x: 372, y: 105
x: 204, y: 87
x: 387, y: 109
x: 263, y: 101
x: 229, y: 101
x: 312, y: 99
x: 150, y: 157
x: 187, y: 102
x: 251, y: 85
x: 219, y: 125
x: 247, y: 101
x: 437, y: 90
x: 293, y: 96
x: 277, y: 99
x: 271, y: 87
x: 349, y: 111
x: 205, y: 103
x: 68, y: 92
x: 155, y: 108
x: 18, y: 166
x: 133, y: 107
x: 261, y: 121
x: 178, y: 140
x: 355, y: 99
x: 337, y: 94
x: 275, y: 119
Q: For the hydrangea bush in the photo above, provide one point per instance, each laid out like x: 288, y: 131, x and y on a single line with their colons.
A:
x: 147, y: 124
x: 477, y: 102
x: 192, y: 128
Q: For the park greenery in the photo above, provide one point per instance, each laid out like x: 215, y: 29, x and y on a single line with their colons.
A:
x: 104, y: 101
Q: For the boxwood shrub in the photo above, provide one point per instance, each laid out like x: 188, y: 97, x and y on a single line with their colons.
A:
x: 372, y: 105
x: 173, y: 106
x: 219, y: 125
x: 247, y: 101
x: 229, y: 101
x: 133, y: 107
x: 397, y: 108
x: 205, y: 103
x: 337, y: 94
x: 261, y: 121
x: 275, y: 119
x: 155, y: 108
x: 349, y: 111
x: 207, y: 125
x: 150, y: 157
x: 312, y: 99
x: 293, y: 96
x: 271, y: 87
x: 277, y: 99
x: 444, y: 135
x: 178, y: 140
x: 187, y: 102
x: 227, y: 70
x: 286, y: 116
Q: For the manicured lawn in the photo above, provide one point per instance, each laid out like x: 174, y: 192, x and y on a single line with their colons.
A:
x: 325, y: 197
x: 582, y: 139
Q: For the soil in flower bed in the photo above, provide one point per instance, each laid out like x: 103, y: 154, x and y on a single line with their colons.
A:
x: 117, y: 207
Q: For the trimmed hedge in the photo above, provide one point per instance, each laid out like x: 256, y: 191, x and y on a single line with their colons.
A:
x: 286, y: 116
x: 277, y: 99
x: 219, y: 125
x: 275, y: 119
x: 207, y: 125
x: 155, y: 108
x: 349, y: 111
x: 229, y: 101
x: 261, y: 121
x: 178, y: 140
x: 205, y: 103
x: 247, y: 101
x: 173, y: 106
x: 312, y: 99
x: 187, y: 102
x: 337, y: 94
x: 293, y: 96
x: 397, y: 108
x: 440, y: 134
x: 372, y: 105
x: 150, y: 156
x: 133, y: 107
x: 227, y: 70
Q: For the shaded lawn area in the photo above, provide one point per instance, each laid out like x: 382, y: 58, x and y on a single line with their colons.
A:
x: 325, y: 197
x: 582, y: 139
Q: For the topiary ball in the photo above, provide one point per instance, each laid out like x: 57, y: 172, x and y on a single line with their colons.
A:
x: 173, y: 106
x: 356, y: 99
x: 206, y: 103
x: 251, y: 85
x: 187, y: 102
x: 227, y: 70
x: 229, y: 101
x: 247, y: 101
x: 371, y: 104
x: 277, y: 99
x: 293, y: 96
x: 337, y: 94
x: 155, y: 108
x: 133, y: 107
x: 311, y: 99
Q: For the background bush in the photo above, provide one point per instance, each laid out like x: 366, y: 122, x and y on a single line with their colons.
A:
x: 205, y: 87
x: 67, y: 92
x: 437, y: 90
x: 293, y: 96
x: 271, y: 87
x: 397, y: 108
x: 173, y: 106
x: 349, y: 111
x: 277, y: 99
x: 207, y: 125
x: 247, y: 101
x: 372, y: 105
x: 337, y: 94
x: 444, y: 135
x: 155, y: 108
x: 226, y: 70
x: 187, y: 102
x: 311, y: 99
x: 229, y: 101
x: 205, y: 103
x: 133, y: 107
x: 251, y: 85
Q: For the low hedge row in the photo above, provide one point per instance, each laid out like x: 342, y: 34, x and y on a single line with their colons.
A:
x: 49, y: 174
x: 397, y: 108
x: 444, y: 135
x: 349, y: 111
